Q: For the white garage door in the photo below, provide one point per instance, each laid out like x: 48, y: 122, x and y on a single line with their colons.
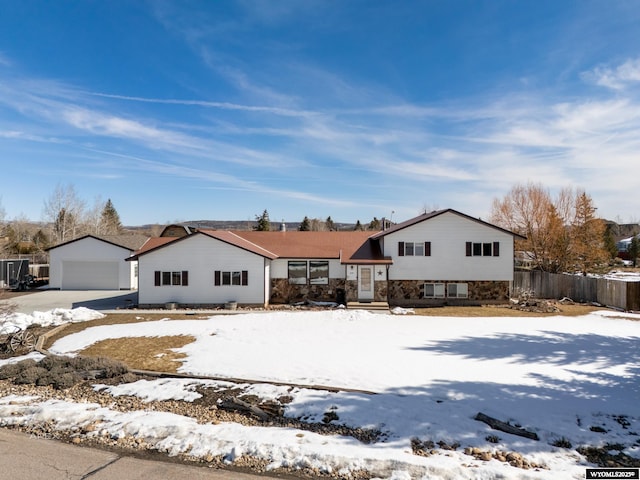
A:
x: 89, y: 275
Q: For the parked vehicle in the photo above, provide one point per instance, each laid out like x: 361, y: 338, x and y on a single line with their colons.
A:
x: 27, y: 283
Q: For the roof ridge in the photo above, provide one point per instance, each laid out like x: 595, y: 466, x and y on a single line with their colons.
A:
x: 252, y: 243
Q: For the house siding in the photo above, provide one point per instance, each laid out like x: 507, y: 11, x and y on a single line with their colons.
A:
x: 201, y: 256
x: 448, y: 234
x: 91, y: 250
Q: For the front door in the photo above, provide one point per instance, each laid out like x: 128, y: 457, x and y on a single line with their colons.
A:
x: 365, y: 283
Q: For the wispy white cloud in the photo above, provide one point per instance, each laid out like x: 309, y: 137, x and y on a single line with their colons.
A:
x: 285, y: 112
x: 617, y: 78
x: 481, y: 144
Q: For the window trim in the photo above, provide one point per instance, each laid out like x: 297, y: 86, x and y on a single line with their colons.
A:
x: 438, y: 290
x: 458, y: 285
x: 226, y: 278
x: 171, y: 278
x: 409, y: 249
x: 300, y: 280
x: 324, y: 280
x: 482, y: 249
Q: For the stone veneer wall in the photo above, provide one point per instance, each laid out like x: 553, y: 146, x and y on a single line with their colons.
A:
x: 407, y: 292
x: 380, y: 289
x: 284, y: 292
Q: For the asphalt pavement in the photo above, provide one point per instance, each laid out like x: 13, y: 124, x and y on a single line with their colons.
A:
x: 24, y: 457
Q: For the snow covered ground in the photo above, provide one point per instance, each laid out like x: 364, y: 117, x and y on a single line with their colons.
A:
x: 565, y: 378
x: 51, y: 318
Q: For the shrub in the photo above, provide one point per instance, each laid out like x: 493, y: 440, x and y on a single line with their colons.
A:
x: 562, y: 443
x: 62, y: 372
x: 29, y: 375
x: 13, y: 369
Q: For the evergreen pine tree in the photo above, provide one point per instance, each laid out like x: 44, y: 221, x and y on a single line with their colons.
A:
x: 587, y: 235
x: 634, y: 250
x: 305, y: 226
x: 610, y: 243
x: 263, y: 222
x: 374, y: 224
x: 110, y: 220
x: 329, y: 225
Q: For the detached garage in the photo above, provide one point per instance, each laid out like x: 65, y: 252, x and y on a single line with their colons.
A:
x: 95, y: 262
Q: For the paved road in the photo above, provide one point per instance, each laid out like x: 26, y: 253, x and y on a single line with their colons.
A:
x: 23, y: 457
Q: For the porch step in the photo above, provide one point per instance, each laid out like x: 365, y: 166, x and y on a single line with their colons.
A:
x: 373, y: 306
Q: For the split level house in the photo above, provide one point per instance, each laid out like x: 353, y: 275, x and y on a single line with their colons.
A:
x: 439, y: 257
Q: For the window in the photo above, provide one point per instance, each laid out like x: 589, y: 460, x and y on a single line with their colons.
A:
x: 434, y: 290
x: 318, y: 272
x: 414, y: 249
x: 171, y: 278
x: 457, y: 290
x: 297, y: 272
x: 487, y: 249
x: 222, y: 278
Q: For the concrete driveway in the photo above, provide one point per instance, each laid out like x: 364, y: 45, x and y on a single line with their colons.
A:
x: 45, y: 300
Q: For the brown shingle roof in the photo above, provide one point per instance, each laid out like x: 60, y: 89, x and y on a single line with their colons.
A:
x: 352, y: 245
x: 349, y: 247
x: 152, y: 244
x: 236, y: 240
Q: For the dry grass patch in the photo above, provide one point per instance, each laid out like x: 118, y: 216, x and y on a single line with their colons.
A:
x: 142, y: 353
x: 503, y: 311
x: 117, y: 319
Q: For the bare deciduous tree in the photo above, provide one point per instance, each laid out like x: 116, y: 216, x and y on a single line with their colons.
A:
x: 65, y: 210
x: 93, y: 217
x: 528, y: 210
x: 562, y: 233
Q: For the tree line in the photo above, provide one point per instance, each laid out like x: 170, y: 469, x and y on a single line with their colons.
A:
x: 263, y: 224
x: 563, y: 233
x: 66, y: 217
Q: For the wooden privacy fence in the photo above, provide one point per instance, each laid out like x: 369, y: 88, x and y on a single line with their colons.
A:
x: 612, y: 293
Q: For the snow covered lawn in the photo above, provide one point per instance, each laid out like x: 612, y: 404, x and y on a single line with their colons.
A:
x: 565, y: 378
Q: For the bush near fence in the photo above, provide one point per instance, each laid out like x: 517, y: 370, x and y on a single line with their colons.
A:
x: 584, y: 289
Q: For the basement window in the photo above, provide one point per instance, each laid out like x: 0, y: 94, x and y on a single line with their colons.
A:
x: 434, y: 290
x: 457, y: 290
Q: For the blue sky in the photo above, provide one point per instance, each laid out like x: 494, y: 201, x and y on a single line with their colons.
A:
x: 220, y: 109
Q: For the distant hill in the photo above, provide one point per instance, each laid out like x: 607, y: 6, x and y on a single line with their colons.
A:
x: 238, y: 225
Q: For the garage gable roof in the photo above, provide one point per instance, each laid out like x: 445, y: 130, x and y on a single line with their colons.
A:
x: 128, y: 242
